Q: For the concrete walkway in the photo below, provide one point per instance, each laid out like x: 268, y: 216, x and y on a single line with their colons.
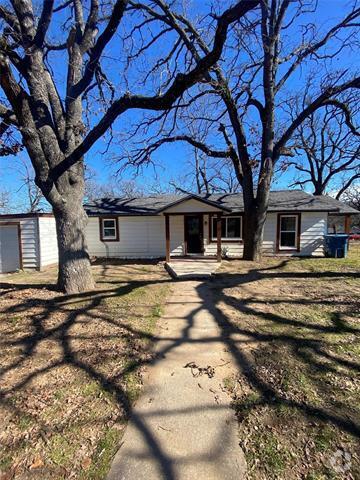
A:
x: 190, y: 269
x: 182, y: 427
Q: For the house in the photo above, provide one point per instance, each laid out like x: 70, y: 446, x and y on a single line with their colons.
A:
x: 175, y: 225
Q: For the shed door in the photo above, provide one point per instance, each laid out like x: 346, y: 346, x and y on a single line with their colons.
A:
x: 9, y: 248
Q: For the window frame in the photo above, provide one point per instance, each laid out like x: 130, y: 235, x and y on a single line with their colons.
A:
x: 101, y: 226
x: 226, y: 239
x: 296, y: 248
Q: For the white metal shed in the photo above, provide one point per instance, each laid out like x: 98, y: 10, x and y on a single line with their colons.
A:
x: 27, y: 241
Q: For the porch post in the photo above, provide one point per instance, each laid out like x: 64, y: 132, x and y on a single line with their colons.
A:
x: 347, y: 223
x: 218, y: 237
x: 167, y: 236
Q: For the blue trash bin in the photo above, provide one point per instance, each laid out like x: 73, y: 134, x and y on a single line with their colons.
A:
x: 336, y: 245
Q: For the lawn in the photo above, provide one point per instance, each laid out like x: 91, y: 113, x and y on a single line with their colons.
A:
x: 71, y: 367
x: 293, y: 327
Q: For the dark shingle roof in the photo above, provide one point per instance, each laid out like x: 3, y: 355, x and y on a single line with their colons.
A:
x: 280, y: 200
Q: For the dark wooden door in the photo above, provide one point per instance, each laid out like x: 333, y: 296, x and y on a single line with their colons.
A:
x: 194, y: 233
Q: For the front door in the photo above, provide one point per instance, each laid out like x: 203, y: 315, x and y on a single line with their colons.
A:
x: 194, y: 233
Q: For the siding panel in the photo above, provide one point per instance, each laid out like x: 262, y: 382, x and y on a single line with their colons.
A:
x: 48, y: 241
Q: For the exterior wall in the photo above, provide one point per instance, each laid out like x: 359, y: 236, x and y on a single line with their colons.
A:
x: 177, y: 235
x: 144, y: 237
x: 29, y: 240
x: 139, y: 237
x: 313, y: 227
x: 48, y: 241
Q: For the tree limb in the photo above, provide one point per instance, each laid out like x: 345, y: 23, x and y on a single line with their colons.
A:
x: 313, y: 48
x: 181, y: 83
x: 319, y: 102
x: 44, y: 23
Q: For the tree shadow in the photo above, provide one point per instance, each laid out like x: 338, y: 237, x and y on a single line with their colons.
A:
x: 70, y: 336
x: 307, y: 342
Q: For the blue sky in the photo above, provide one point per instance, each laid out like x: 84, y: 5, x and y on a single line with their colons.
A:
x: 169, y: 159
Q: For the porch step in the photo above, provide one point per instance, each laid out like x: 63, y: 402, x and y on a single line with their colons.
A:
x: 191, y: 270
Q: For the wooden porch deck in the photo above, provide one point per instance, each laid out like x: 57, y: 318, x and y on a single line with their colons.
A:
x: 192, y: 268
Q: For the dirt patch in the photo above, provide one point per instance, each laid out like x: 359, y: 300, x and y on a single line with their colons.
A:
x: 293, y: 327
x: 71, y: 367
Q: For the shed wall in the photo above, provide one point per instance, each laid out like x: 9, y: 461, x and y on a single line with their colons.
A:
x: 29, y: 240
x: 48, y: 241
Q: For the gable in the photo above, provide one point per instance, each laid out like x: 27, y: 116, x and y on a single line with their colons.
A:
x: 192, y: 205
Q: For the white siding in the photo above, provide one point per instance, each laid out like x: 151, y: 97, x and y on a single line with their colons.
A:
x: 48, y: 241
x: 144, y: 237
x: 269, y: 236
x: 192, y: 206
x: 29, y: 240
x: 313, y: 227
x: 139, y: 237
x: 177, y: 235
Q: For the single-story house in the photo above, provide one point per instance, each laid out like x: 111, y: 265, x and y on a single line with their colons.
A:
x: 165, y: 226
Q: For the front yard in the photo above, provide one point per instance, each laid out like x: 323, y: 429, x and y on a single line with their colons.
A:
x: 71, y: 367
x: 293, y: 327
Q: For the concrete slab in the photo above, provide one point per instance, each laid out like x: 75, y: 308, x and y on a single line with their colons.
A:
x: 183, y: 427
x: 188, y: 269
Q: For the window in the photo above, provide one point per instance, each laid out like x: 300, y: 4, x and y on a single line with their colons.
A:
x: 288, y: 231
x: 109, y: 229
x: 231, y: 228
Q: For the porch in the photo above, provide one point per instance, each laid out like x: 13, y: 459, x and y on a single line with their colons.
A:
x: 188, y: 234
x: 192, y: 268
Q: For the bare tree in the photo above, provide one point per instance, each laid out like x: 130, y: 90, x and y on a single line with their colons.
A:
x: 206, y: 175
x: 328, y: 152
x: 49, y: 115
x: 112, y: 189
x: 352, y: 198
x: 34, y: 199
x: 248, y: 91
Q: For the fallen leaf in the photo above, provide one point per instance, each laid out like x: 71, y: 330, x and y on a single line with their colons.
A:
x: 85, y: 464
x: 37, y: 463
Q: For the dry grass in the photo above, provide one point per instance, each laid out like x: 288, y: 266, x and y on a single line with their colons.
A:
x: 71, y: 367
x: 293, y: 327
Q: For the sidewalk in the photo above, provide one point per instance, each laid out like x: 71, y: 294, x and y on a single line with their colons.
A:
x: 182, y: 427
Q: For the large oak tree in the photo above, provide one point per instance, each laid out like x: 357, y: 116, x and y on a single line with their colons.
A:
x: 272, y: 57
x: 51, y: 62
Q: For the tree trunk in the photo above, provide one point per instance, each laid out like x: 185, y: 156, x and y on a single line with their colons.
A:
x: 74, y: 262
x: 255, y: 212
x: 253, y: 236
